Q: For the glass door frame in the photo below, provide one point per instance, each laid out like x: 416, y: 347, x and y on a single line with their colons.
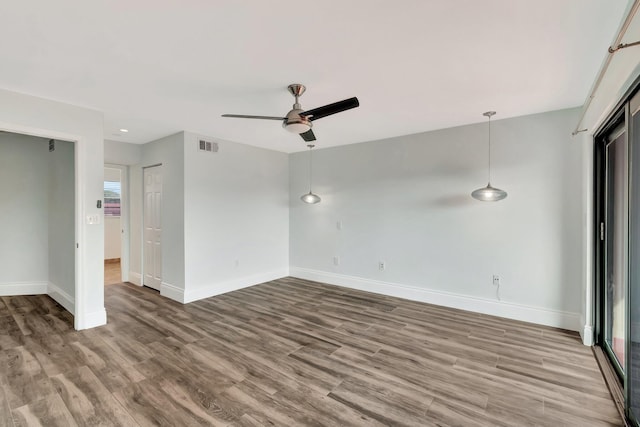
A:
x: 601, y: 197
x: 620, y: 114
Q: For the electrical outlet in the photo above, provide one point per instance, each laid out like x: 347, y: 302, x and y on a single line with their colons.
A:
x: 496, y: 280
x: 336, y: 260
x: 381, y: 265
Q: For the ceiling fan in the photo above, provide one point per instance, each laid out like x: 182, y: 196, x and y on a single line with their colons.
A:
x: 300, y: 121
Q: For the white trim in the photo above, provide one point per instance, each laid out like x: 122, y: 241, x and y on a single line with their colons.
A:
x: 587, y: 335
x: 135, y: 278
x: 63, y: 298
x: 81, y: 241
x: 172, y: 292
x: 586, y: 332
x: 233, y: 285
x: 539, y: 315
x: 23, y: 288
x: 588, y: 243
x: 93, y: 319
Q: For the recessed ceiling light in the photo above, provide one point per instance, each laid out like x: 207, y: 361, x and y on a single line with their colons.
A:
x: 124, y: 130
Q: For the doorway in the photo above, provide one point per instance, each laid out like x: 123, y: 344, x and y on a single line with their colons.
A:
x: 113, y: 227
x: 38, y: 227
x: 152, y: 226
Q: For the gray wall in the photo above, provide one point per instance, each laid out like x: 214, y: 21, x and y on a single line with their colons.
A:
x: 225, y: 216
x: 169, y: 152
x: 236, y: 217
x: 406, y: 201
x: 24, y: 203
x: 61, y: 216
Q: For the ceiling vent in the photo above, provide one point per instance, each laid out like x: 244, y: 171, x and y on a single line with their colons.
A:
x: 208, y: 146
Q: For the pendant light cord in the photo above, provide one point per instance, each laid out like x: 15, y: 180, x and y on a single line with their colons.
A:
x: 489, y: 181
x: 310, y: 166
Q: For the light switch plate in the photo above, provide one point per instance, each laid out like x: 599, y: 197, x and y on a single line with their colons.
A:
x: 93, y: 219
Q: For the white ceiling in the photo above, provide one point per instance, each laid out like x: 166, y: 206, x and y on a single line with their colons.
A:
x: 159, y: 67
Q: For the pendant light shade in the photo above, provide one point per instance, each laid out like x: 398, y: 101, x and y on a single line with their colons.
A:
x: 310, y: 197
x: 489, y: 193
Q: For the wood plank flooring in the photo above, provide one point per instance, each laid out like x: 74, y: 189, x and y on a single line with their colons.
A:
x: 290, y: 353
x: 112, y: 273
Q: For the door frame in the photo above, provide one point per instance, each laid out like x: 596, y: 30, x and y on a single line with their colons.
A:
x: 124, y: 219
x: 620, y: 112
x: 600, y: 181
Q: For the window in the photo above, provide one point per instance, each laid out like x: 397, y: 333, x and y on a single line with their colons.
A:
x: 112, y: 198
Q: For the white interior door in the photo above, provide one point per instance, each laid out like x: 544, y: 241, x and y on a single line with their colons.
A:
x: 152, y: 227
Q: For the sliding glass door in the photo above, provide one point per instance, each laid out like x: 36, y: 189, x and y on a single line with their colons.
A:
x: 614, y: 232
x: 618, y: 249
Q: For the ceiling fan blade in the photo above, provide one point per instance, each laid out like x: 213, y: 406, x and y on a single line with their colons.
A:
x: 243, y: 116
x: 308, y: 136
x: 327, y: 110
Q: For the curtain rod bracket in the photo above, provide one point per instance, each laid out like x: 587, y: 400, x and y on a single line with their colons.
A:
x: 622, y: 46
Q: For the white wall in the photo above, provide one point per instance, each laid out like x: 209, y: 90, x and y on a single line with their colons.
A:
x: 121, y: 153
x: 24, y: 203
x: 61, y: 219
x: 40, y: 117
x: 236, y: 217
x: 406, y: 201
x: 224, y: 216
x: 169, y: 152
x: 111, y: 174
x: 112, y: 244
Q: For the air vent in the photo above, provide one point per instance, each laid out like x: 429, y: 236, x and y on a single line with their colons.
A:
x: 208, y: 146
x: 52, y: 145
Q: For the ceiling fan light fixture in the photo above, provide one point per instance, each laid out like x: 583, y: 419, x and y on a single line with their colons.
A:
x: 297, y: 126
x: 298, y: 120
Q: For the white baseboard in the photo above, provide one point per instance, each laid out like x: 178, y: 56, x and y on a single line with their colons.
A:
x: 91, y: 319
x: 172, y: 292
x: 538, y: 315
x: 233, y: 285
x: 587, y: 335
x: 135, y: 278
x: 23, y: 288
x: 63, y: 298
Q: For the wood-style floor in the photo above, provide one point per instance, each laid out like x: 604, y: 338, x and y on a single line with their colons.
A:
x: 290, y: 353
x: 112, y: 272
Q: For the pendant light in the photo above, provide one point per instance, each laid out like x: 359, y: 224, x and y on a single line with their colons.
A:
x: 310, y: 197
x: 489, y: 193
